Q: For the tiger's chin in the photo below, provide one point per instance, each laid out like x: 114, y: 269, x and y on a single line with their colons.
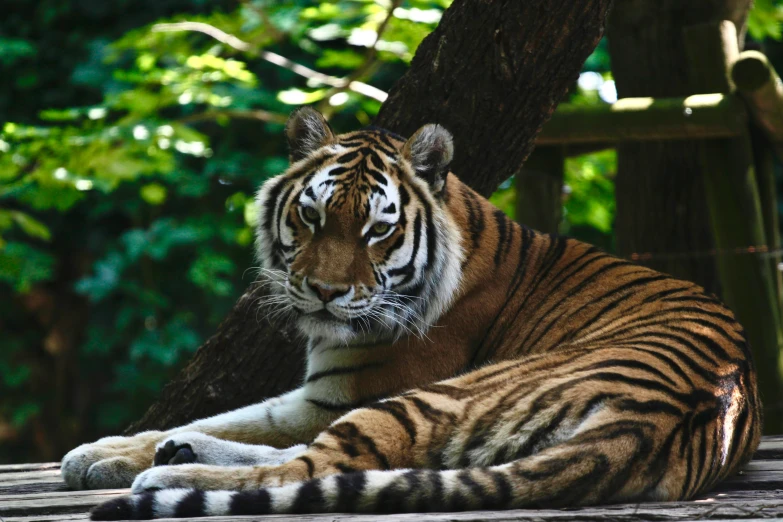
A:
x: 326, y: 326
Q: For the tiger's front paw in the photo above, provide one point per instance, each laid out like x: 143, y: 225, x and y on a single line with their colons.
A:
x: 109, y: 463
x: 197, y: 476
x: 192, y: 447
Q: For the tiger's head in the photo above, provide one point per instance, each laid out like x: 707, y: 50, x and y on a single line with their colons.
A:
x: 355, y: 238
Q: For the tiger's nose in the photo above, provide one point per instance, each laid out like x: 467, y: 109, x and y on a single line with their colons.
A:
x: 325, y: 293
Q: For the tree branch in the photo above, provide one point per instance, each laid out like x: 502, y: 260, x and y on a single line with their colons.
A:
x: 274, y: 58
x: 370, y: 58
x: 259, y: 115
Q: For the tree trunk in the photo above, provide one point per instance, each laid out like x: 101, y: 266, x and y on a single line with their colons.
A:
x: 661, y: 205
x: 492, y: 73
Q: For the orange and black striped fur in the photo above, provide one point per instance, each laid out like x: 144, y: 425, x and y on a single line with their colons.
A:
x: 456, y: 360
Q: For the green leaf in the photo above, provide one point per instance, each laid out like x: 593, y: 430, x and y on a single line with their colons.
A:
x: 31, y: 226
x: 22, y: 266
x: 105, y: 279
x: 15, y: 375
x: 300, y: 97
x: 24, y: 412
x: 14, y: 49
x: 236, y: 201
x: 210, y: 271
x: 342, y: 58
x: 251, y: 213
x: 153, y: 193
x: 764, y: 20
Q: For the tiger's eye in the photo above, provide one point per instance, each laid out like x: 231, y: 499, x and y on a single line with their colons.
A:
x: 311, y: 214
x: 380, y: 228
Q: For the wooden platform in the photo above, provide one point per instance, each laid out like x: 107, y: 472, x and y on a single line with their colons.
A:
x: 35, y: 492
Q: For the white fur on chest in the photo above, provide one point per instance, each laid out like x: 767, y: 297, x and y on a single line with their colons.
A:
x: 324, y: 358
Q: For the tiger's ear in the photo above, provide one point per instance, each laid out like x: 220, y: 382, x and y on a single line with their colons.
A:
x: 306, y: 131
x: 429, y: 152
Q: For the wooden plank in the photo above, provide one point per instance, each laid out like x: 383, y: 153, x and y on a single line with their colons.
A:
x: 662, y: 511
x: 49, y: 475
x: 737, y: 495
x: 756, y: 475
x: 36, y: 487
x: 770, y: 448
x: 764, y: 507
x: 762, y: 480
x: 31, y: 482
x: 763, y: 465
x: 446, y: 517
x: 336, y: 518
x: 12, y: 468
x: 54, y: 518
x: 34, y: 504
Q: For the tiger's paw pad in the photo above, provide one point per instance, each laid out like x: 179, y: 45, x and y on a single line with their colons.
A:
x: 192, y: 447
x: 171, y: 453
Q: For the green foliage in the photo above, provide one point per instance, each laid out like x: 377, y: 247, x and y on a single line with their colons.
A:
x: 126, y: 200
x: 13, y: 49
x: 22, y: 265
x: 765, y: 20
x: 589, y: 204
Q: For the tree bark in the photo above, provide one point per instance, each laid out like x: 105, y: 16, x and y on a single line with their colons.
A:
x: 492, y: 73
x: 661, y: 205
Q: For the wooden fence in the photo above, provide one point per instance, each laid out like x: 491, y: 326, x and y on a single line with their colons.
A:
x: 738, y: 130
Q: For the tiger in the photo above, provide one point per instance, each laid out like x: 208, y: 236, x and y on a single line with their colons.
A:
x: 455, y: 360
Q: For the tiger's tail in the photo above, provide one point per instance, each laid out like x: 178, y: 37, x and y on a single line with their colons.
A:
x: 398, y: 491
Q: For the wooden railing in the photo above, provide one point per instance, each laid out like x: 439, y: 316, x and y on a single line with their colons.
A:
x: 738, y: 130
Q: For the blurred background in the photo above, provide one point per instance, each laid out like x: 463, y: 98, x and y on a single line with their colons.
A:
x: 131, y: 146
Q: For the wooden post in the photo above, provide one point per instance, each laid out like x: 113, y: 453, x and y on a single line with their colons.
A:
x: 760, y: 86
x: 735, y: 212
x: 539, y: 187
x: 763, y: 159
x: 659, y: 186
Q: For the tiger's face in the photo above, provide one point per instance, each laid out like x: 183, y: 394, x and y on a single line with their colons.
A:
x: 355, y: 236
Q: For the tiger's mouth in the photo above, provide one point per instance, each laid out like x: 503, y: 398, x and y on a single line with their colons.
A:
x: 356, y: 323
x: 325, y: 315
